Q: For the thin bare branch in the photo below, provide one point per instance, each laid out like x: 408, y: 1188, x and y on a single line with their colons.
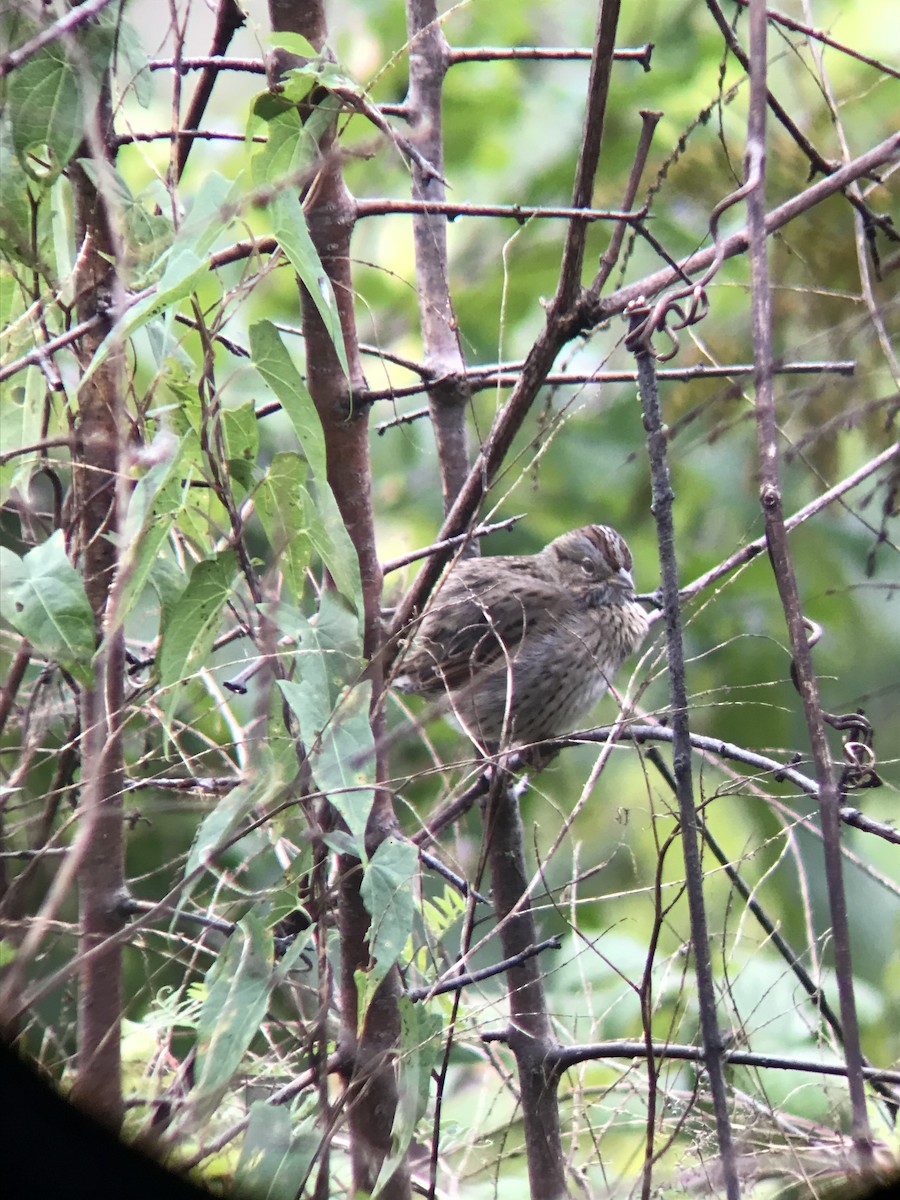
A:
x: 782, y: 565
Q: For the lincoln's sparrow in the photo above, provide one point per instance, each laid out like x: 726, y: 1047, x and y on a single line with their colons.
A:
x: 524, y: 645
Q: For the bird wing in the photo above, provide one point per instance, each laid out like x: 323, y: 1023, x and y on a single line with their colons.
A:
x: 477, y: 620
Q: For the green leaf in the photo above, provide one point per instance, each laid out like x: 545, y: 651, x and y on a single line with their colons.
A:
x: 153, y: 506
x: 43, y: 598
x: 327, y: 530
x: 239, y: 984
x: 420, y: 1033
x: 290, y: 148
x: 272, y: 360
x: 290, y: 228
x: 167, y: 580
x: 276, y: 1153
x: 15, y: 210
x: 331, y: 703
x: 240, y: 432
x: 299, y: 80
x: 186, y: 261
x: 331, y: 542
x: 46, y: 109
x: 132, y: 60
x: 268, y: 779
x: 282, y: 504
x: 388, y: 896
x: 189, y: 635
x: 21, y: 415
x: 296, y: 43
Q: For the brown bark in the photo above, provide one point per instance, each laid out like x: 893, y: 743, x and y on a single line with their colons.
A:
x: 97, y: 437
x: 331, y: 212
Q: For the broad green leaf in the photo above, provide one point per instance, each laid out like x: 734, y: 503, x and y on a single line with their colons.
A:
x: 296, y: 43
x: 186, y: 260
x: 238, y: 988
x: 15, y: 210
x: 153, y: 506
x: 299, y: 80
x: 240, y: 432
x: 239, y: 984
x: 276, y: 1153
x: 289, y: 227
x: 319, y: 67
x: 268, y: 779
x: 132, y: 61
x: 331, y: 703
x: 21, y: 415
x: 148, y: 234
x: 167, y: 580
x: 272, y: 360
x: 387, y: 893
x: 282, y: 504
x: 420, y: 1034
x: 43, y: 598
x: 190, y: 633
x: 331, y: 542
x: 46, y: 110
x: 327, y: 530
x: 290, y: 148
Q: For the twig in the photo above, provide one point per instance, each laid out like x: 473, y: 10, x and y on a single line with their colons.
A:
x: 463, y: 54
x: 65, y: 25
x: 457, y: 982
x: 229, y: 19
x: 817, y: 35
x: 773, y: 933
x: 663, y: 496
x: 783, y: 569
x: 518, y: 212
x: 394, y: 564
x: 570, y: 1056
x: 486, y: 378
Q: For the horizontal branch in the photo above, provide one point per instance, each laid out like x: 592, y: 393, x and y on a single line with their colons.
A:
x: 776, y: 18
x: 782, y: 772
x: 65, y: 25
x: 480, y: 379
x: 518, y: 212
x: 464, y: 54
x: 456, y: 983
x: 570, y: 1056
x: 752, y: 549
x: 596, y: 308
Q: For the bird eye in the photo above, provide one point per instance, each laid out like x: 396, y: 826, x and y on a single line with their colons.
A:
x: 587, y: 565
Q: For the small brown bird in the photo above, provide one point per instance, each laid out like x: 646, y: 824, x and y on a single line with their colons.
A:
x: 524, y: 645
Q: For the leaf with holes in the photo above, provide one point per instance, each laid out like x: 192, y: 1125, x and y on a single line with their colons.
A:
x: 43, y: 598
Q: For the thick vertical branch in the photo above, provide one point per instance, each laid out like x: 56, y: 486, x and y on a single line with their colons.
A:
x: 330, y: 212
x: 594, y: 120
x: 785, y: 578
x: 530, y: 1034
x: 229, y: 19
x: 713, y: 1048
x: 448, y: 389
x: 563, y: 322
x: 98, y: 446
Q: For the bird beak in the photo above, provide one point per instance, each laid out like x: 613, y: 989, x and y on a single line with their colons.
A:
x: 622, y: 579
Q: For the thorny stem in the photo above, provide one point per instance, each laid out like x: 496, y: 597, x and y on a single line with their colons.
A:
x: 530, y: 1033
x: 561, y: 325
x: 681, y: 756
x: 448, y: 390
x: 786, y: 580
